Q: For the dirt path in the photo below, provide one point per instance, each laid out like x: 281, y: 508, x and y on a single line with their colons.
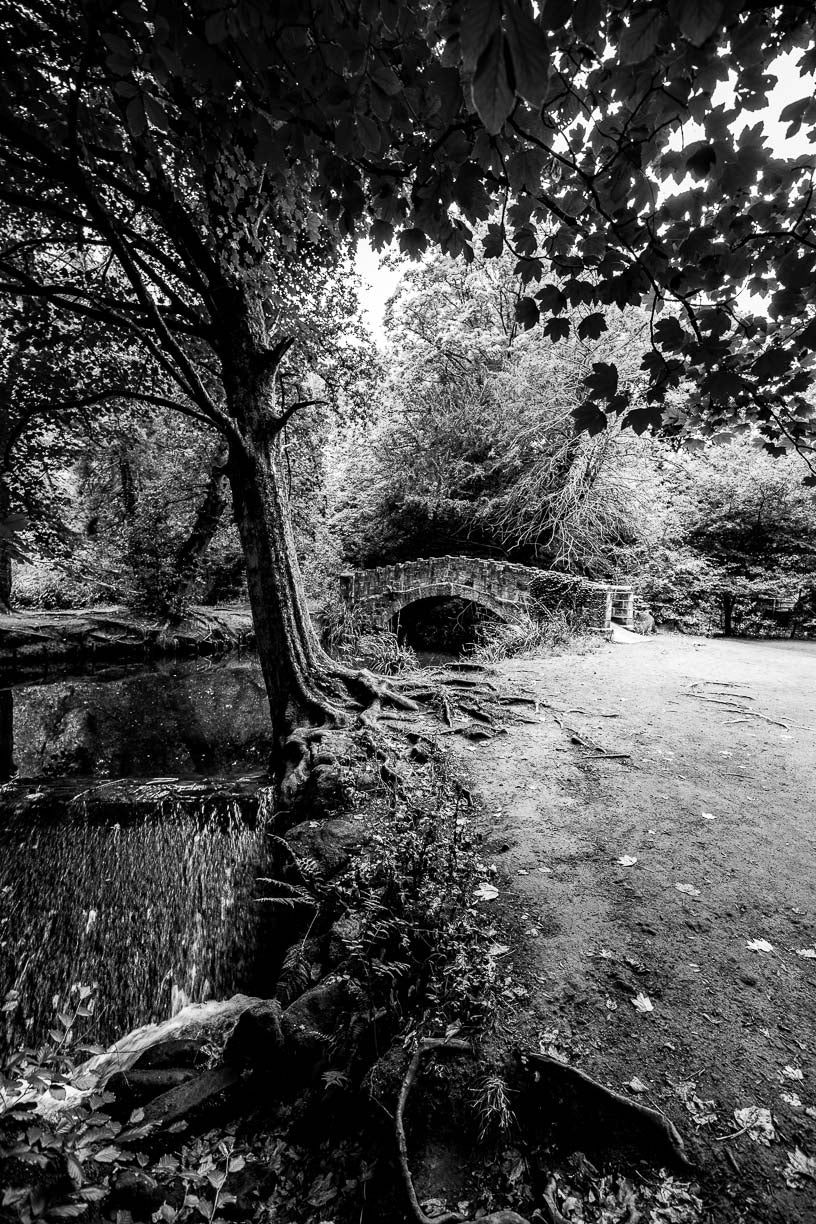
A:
x: 730, y: 1027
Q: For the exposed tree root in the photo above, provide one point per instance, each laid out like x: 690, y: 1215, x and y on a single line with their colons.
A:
x: 732, y: 704
x: 429, y: 1044
x: 551, y: 1212
x: 599, y: 1101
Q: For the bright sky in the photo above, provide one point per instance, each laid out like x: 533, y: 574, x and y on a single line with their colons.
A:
x: 379, y: 281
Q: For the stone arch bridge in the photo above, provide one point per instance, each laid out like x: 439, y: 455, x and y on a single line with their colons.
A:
x: 500, y: 586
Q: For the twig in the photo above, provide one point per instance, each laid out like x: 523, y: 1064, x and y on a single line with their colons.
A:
x: 427, y: 1045
x: 735, y: 1134
x: 607, y: 756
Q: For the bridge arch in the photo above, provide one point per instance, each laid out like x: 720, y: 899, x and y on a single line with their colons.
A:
x: 387, y: 608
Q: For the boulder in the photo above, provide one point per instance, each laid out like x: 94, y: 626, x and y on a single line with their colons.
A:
x: 331, y: 843
x: 137, y: 1192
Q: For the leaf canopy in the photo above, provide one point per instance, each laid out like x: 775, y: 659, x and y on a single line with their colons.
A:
x: 199, y: 145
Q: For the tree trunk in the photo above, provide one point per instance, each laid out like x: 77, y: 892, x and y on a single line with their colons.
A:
x: 303, y: 684
x: 207, y: 520
x: 297, y: 672
x: 127, y: 484
x: 728, y: 614
x: 5, y: 548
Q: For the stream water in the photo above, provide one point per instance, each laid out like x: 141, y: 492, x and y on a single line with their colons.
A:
x: 151, y: 911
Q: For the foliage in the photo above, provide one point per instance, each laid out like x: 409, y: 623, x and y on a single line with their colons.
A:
x: 527, y: 635
x: 481, y: 416
x: 741, y: 534
x: 183, y: 174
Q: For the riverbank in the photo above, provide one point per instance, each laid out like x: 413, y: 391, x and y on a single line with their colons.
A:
x: 33, y: 642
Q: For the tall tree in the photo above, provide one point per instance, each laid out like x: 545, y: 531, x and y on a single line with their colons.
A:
x: 195, y: 149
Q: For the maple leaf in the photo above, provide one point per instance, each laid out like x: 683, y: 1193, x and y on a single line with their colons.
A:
x: 593, y: 326
x: 799, y: 1168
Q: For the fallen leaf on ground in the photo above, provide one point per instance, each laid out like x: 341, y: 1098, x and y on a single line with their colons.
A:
x: 688, y: 889
x: 708, y: 815
x: 799, y: 1169
x: 790, y: 1098
x: 546, y: 870
x: 642, y: 1002
x: 794, y: 1073
x: 637, y: 1085
x: 808, y: 953
x: 757, y: 1123
x: 702, y: 1112
x: 485, y: 892
x: 675, y: 1204
x: 497, y: 949
x: 627, y: 860
x: 759, y: 945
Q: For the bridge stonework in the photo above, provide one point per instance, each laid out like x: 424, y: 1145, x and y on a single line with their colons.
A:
x: 500, y: 586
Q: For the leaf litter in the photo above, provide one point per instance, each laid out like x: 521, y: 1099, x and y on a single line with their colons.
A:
x: 703, y: 1113
x: 754, y: 1121
x: 799, y: 1169
x: 688, y: 889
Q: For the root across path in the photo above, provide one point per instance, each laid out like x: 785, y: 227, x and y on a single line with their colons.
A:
x: 660, y: 911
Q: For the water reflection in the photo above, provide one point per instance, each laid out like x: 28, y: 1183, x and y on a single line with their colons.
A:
x: 195, y: 717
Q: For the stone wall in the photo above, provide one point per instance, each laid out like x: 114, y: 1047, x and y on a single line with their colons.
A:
x: 378, y: 594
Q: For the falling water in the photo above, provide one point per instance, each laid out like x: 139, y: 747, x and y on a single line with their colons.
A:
x: 152, y: 910
x: 152, y: 913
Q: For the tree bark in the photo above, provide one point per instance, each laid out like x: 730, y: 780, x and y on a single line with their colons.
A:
x: 303, y: 683
x: 728, y: 602
x: 207, y: 520
x: 127, y: 484
x: 296, y: 670
x: 5, y: 548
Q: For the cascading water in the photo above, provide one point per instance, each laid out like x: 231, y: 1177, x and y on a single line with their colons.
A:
x: 153, y: 905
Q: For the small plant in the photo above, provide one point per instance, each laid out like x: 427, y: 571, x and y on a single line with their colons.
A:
x: 382, y: 652
x: 493, y: 1108
x: 526, y: 635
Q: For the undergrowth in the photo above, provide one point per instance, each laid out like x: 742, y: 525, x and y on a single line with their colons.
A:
x: 416, y: 946
x: 526, y: 635
x: 351, y: 638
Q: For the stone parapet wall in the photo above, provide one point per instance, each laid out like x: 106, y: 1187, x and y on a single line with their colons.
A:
x: 501, y: 586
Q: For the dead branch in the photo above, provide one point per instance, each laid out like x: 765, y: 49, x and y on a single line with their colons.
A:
x: 427, y: 1045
